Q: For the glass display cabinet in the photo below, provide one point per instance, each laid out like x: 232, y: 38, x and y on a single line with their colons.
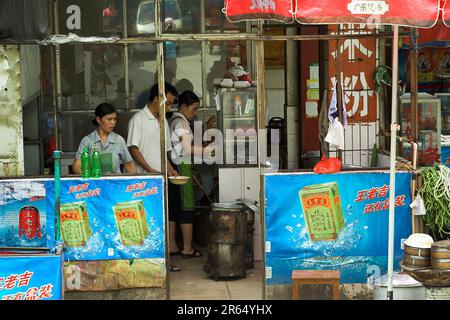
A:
x: 445, y: 127
x: 429, y: 128
x: 237, y: 122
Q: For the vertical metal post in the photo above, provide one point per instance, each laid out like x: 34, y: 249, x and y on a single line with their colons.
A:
x: 394, y: 128
x: 57, y: 159
x: 340, y: 103
x: 414, y: 88
x: 262, y: 145
x: 414, y: 85
x: 125, y: 55
x: 205, y: 94
x: 162, y: 126
x: 57, y: 100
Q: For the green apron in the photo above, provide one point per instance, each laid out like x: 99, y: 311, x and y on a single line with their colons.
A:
x: 187, y: 190
x: 106, y: 158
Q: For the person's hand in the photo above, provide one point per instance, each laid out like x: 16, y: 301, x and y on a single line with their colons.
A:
x: 171, y: 172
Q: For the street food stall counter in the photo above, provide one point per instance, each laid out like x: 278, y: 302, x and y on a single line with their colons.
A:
x: 332, y: 222
x: 112, y: 228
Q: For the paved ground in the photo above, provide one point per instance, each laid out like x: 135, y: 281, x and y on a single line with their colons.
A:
x: 192, y: 283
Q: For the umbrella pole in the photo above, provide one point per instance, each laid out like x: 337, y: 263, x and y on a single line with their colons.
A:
x: 394, y: 128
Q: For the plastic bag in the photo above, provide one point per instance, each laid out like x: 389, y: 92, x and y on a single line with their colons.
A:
x: 328, y: 165
x: 335, y: 135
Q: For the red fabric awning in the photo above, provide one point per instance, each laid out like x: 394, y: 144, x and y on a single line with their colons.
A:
x: 412, y: 13
x: 239, y: 10
x: 446, y: 12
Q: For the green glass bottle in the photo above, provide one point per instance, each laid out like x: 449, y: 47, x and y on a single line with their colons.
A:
x: 85, y: 163
x: 96, y: 164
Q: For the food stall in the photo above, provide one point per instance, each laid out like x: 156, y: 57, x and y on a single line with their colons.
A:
x: 304, y: 224
x: 135, y: 206
x: 112, y: 230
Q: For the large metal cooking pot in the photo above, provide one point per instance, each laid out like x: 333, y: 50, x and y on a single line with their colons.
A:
x: 404, y: 288
x: 226, y: 246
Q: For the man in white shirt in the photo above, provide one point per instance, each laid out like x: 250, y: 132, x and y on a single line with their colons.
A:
x: 144, y: 133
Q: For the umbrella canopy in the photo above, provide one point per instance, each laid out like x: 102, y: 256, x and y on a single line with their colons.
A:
x: 411, y: 13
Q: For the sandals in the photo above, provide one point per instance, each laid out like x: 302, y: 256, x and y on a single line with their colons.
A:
x: 174, y: 268
x: 195, y: 254
x: 176, y: 253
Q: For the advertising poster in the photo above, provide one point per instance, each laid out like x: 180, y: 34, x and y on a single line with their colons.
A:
x: 23, y: 219
x: 333, y: 222
x: 110, y: 218
x: 34, y: 277
x: 114, y: 274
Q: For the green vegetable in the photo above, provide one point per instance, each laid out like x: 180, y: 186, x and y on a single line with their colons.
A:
x: 435, y: 193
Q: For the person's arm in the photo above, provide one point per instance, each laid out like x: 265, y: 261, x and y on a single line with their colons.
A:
x: 76, y: 166
x: 171, y: 172
x: 140, y: 160
x: 130, y: 167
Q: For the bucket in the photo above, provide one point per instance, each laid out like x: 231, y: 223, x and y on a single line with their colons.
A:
x: 404, y: 288
x: 226, y: 247
x: 437, y: 293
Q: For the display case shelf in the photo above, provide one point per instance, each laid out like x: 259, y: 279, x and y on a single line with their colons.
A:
x: 429, y: 128
x: 238, y: 112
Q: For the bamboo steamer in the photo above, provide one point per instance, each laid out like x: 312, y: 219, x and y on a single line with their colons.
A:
x: 415, y: 251
x: 416, y: 261
x: 441, y: 264
x: 440, y: 250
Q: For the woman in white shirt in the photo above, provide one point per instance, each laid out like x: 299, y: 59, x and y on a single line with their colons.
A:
x: 181, y: 198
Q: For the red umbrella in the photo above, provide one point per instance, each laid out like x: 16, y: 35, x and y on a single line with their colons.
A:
x: 412, y: 13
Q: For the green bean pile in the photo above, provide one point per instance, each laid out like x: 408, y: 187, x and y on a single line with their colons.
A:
x: 435, y: 193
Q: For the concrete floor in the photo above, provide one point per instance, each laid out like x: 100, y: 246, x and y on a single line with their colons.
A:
x: 192, y: 283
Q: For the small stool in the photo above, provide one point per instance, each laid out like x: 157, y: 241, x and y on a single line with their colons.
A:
x: 300, y: 277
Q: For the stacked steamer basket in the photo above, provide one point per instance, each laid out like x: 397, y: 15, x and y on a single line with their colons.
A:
x: 417, y: 249
x: 440, y: 255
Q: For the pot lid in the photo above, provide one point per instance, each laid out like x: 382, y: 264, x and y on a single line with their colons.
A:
x: 398, y: 280
x: 419, y: 240
x: 444, y: 244
x: 227, y: 205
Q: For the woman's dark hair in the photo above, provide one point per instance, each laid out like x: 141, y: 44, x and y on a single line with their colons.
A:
x: 102, y: 110
x: 188, y: 98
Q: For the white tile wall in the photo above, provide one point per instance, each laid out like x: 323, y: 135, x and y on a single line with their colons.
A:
x: 275, y: 94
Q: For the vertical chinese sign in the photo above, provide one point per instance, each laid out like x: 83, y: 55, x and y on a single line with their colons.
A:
x: 358, y: 61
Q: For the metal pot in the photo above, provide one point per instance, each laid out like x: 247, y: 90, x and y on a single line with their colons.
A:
x: 416, y: 261
x: 414, y: 251
x: 440, y: 250
x: 441, y: 264
x: 404, y: 288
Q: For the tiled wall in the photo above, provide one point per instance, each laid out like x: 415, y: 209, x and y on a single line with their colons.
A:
x: 274, y: 94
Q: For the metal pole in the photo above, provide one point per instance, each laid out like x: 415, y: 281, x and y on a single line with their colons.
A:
x: 125, y: 55
x: 57, y: 52
x: 394, y: 128
x: 262, y: 145
x: 57, y: 159
x: 162, y: 133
